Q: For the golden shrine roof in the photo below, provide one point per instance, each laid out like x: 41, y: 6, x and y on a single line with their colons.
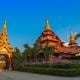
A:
x: 4, y: 42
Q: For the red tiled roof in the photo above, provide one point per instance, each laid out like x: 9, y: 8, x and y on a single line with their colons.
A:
x: 70, y: 50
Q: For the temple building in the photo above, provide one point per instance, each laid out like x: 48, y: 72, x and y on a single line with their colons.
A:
x: 48, y: 36
x: 71, y: 51
x: 5, y: 49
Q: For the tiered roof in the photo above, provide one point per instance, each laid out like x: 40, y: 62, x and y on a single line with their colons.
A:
x: 4, y: 42
x: 49, y: 36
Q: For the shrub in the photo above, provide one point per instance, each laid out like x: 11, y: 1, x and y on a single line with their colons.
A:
x: 57, y: 66
x: 50, y: 71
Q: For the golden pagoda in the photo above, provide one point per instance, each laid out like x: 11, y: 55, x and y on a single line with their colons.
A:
x: 72, y: 41
x: 5, y: 47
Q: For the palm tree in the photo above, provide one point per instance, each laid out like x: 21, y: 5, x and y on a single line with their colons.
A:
x: 27, y: 53
x: 48, y: 51
x: 37, y: 48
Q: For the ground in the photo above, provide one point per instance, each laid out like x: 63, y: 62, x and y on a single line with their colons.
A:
x: 14, y: 75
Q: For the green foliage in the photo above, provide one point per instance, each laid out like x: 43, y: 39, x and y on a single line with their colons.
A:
x: 77, y: 36
x: 48, y: 51
x: 28, y: 52
x: 17, y: 57
x: 57, y: 66
x: 50, y: 71
x: 54, y: 69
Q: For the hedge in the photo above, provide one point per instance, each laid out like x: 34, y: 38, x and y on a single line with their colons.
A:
x: 50, y: 71
x: 57, y: 66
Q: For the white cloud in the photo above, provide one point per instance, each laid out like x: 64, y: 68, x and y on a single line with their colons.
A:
x: 66, y: 44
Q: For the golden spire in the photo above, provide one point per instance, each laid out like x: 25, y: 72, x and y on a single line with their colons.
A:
x: 4, y: 27
x: 47, y: 25
x: 72, y: 38
x: 4, y: 42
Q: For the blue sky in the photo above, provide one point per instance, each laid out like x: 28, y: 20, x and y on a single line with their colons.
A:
x: 26, y: 19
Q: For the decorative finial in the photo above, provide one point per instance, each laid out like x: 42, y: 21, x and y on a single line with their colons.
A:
x: 46, y: 21
x: 4, y: 27
x: 5, y: 23
x: 47, y: 25
x: 72, y: 38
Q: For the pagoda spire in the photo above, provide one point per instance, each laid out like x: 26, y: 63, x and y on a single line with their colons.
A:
x: 47, y: 25
x: 4, y: 27
x: 72, y: 38
x: 4, y: 42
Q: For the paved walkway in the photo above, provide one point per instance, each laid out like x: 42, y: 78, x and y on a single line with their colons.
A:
x: 13, y: 75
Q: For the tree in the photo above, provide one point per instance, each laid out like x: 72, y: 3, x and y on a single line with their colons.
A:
x: 27, y: 53
x: 48, y: 50
x: 17, y: 57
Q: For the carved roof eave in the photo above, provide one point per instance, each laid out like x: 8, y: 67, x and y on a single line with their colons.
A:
x: 8, y: 48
